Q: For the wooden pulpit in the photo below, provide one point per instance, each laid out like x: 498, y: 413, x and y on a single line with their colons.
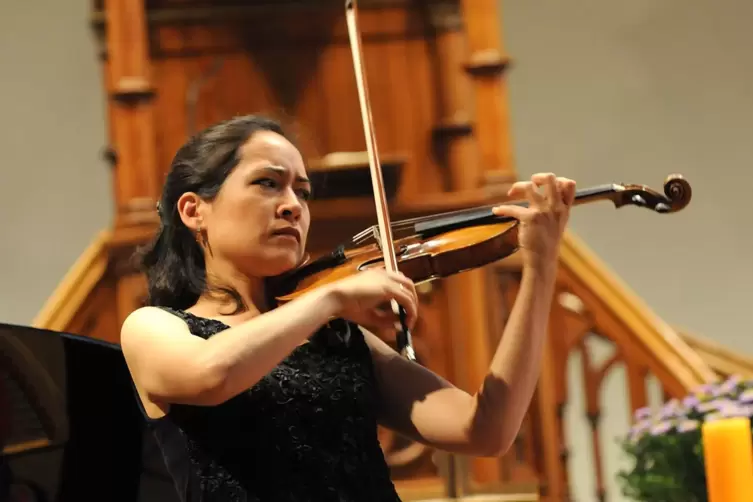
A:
x: 435, y: 73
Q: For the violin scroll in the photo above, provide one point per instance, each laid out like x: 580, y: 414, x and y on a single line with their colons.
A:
x: 677, y: 195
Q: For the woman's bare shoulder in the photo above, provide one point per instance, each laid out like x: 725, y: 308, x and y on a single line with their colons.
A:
x: 166, y: 362
x: 145, y: 323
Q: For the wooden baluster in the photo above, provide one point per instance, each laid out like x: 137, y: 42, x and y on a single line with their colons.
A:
x: 593, y: 379
x: 486, y: 64
x: 554, y: 471
x: 636, y: 379
x: 131, y: 111
x: 559, y: 348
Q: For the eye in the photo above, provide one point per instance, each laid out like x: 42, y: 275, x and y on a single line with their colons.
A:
x: 304, y: 194
x: 266, y: 182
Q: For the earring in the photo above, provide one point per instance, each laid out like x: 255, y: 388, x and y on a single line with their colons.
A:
x: 201, y: 236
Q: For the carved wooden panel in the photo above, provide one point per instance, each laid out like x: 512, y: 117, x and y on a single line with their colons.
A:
x: 296, y: 63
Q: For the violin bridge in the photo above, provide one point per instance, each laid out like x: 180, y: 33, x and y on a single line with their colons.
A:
x: 375, y: 234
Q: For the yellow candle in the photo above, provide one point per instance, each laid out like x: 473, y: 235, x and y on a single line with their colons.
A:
x: 728, y: 456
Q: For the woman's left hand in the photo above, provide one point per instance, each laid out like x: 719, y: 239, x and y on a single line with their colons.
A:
x: 544, y: 221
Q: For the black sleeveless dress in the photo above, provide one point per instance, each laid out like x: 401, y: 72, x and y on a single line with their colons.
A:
x: 306, y: 432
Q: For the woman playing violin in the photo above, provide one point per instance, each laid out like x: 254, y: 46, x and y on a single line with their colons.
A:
x: 251, y: 402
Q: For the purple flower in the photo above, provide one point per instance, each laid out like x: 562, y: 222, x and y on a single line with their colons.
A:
x: 746, y: 396
x: 670, y: 409
x: 703, y: 390
x: 712, y: 417
x: 661, y: 428
x: 688, y: 425
x: 732, y: 382
x: 718, y: 390
x: 641, y: 426
x: 728, y: 387
x: 706, y: 407
x: 714, y: 405
x: 732, y: 410
x: 639, y: 429
x: 643, y: 413
x: 690, y: 401
x: 736, y: 410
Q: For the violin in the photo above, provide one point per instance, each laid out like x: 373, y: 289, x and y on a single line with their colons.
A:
x: 437, y: 246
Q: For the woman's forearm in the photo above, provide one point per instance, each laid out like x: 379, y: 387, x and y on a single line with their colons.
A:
x: 506, y: 392
x: 171, y: 366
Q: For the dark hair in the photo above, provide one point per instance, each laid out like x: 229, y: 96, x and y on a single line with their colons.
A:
x: 174, y: 261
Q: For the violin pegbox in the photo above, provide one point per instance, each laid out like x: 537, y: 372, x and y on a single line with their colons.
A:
x: 677, y: 195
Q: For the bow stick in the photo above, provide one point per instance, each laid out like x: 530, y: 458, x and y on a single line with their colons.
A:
x: 404, y: 342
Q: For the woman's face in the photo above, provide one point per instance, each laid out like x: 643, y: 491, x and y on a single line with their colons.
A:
x: 260, y: 218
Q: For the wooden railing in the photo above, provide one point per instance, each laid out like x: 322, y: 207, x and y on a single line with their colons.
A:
x: 722, y: 360
x: 77, y: 285
x: 608, y: 355
x: 588, y: 277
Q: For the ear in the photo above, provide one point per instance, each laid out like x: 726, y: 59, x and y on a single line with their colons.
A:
x: 191, y: 209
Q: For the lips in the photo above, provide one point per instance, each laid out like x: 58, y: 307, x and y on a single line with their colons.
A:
x: 288, y: 231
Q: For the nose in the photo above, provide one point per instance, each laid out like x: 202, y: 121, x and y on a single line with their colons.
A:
x: 290, y: 208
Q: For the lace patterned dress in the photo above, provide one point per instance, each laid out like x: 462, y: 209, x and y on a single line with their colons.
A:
x: 306, y: 432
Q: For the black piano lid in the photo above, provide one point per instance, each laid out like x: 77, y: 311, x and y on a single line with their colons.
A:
x: 70, y: 423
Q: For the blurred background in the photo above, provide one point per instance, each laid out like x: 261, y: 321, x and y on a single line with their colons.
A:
x: 468, y: 96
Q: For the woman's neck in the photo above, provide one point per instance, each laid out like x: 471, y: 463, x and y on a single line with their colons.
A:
x: 216, y: 302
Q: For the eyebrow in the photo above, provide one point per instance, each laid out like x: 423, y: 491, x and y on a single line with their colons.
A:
x: 283, y: 171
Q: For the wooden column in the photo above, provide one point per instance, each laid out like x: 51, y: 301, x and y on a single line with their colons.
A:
x: 551, y: 404
x: 472, y: 136
x: 452, y: 136
x: 131, y: 112
x: 469, y: 327
x: 486, y: 64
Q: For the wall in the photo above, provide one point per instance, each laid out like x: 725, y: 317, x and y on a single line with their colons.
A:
x: 631, y: 91
x: 56, y: 189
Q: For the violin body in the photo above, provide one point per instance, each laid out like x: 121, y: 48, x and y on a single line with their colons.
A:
x: 420, y: 259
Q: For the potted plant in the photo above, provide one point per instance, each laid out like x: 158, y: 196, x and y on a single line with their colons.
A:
x: 665, y: 446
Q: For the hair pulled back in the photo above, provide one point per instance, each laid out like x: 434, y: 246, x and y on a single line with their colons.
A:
x: 174, y: 261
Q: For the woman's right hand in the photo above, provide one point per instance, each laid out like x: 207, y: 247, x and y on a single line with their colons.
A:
x: 364, y: 298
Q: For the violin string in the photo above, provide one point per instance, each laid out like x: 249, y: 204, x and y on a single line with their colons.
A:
x: 421, y: 219
x: 368, y: 233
